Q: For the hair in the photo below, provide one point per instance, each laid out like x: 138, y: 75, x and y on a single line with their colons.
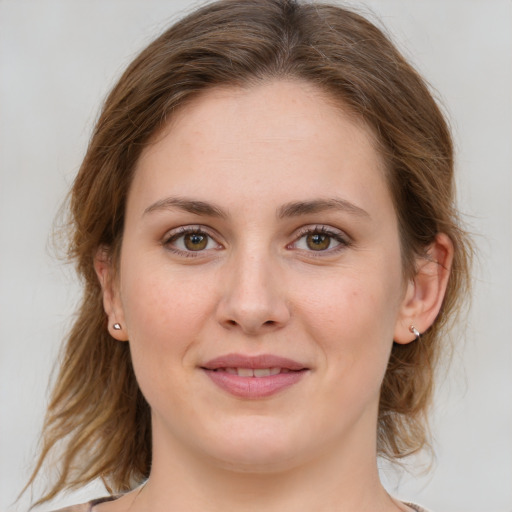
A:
x: 97, y: 417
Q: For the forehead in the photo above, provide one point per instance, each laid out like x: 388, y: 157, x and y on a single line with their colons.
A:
x: 276, y: 108
x: 243, y: 139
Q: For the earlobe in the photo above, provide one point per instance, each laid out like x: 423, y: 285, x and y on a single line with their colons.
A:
x: 425, y: 291
x: 111, y: 302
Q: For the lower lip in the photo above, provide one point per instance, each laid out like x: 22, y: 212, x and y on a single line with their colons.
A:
x: 254, y: 387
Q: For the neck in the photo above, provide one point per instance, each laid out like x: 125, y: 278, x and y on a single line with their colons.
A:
x: 341, y: 479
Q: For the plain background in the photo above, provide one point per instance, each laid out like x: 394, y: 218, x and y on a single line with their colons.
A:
x: 58, y: 59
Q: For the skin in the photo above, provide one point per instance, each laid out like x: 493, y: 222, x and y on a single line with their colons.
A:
x: 260, y: 285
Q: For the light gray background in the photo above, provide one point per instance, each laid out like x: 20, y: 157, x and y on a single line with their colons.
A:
x: 57, y: 61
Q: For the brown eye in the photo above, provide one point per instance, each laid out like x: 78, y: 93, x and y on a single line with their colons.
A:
x: 195, y: 241
x: 318, y: 241
x: 321, y: 239
x: 190, y: 240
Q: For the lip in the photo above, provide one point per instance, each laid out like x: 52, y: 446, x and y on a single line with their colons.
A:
x: 253, y: 387
x: 259, y: 361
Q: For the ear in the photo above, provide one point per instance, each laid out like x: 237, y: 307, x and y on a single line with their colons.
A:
x: 425, y: 291
x: 111, y: 300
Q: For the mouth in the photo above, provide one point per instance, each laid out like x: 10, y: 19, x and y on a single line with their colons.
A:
x: 254, y: 377
x: 254, y: 372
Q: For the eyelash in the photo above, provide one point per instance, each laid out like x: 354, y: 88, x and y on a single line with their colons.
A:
x: 341, y: 239
x: 183, y: 231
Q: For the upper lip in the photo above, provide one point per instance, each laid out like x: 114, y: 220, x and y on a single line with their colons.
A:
x: 259, y: 361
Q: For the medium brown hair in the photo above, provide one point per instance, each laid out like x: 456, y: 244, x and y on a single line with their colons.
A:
x: 97, y: 412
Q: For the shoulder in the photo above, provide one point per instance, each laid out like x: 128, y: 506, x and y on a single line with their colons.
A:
x: 86, y: 507
x: 415, y: 507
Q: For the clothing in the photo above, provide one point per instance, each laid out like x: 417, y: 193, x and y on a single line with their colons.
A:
x: 88, y: 507
x: 415, y: 507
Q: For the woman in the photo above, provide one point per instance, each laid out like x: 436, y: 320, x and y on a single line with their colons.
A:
x: 265, y: 225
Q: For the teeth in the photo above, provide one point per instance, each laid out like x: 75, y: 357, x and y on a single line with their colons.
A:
x: 262, y: 372
x: 245, y: 372
x: 256, y: 372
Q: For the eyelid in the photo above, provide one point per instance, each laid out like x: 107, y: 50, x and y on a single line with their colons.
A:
x: 335, y: 233
x: 176, y: 233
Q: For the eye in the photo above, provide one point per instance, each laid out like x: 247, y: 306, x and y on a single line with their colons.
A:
x: 190, y: 240
x: 320, y: 239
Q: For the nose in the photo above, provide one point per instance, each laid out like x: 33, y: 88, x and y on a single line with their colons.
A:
x: 254, y: 298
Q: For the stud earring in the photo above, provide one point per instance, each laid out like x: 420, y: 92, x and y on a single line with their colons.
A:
x: 116, y: 327
x: 415, y: 331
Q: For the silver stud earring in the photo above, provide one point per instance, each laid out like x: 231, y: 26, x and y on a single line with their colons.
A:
x: 415, y: 331
x: 116, y: 327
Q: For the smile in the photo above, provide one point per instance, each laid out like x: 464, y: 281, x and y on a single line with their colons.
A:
x: 254, y: 377
x: 253, y: 372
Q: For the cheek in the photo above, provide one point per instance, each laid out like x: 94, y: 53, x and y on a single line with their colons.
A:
x: 351, y: 306
x: 164, y: 320
x: 352, y: 318
x: 158, y: 299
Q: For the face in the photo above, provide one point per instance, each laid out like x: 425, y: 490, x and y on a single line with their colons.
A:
x: 260, y: 281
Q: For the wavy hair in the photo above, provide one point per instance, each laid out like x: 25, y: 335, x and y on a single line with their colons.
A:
x: 97, y: 419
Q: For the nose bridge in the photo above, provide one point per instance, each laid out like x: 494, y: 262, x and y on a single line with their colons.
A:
x: 253, y: 299
x: 253, y: 284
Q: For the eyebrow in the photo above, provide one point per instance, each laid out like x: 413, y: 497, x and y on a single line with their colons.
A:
x: 298, y: 208
x: 293, y: 209
x: 187, y: 205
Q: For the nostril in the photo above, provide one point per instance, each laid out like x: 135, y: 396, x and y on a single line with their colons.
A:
x: 234, y: 323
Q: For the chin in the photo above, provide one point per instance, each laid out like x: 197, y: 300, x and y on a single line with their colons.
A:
x: 255, y: 446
